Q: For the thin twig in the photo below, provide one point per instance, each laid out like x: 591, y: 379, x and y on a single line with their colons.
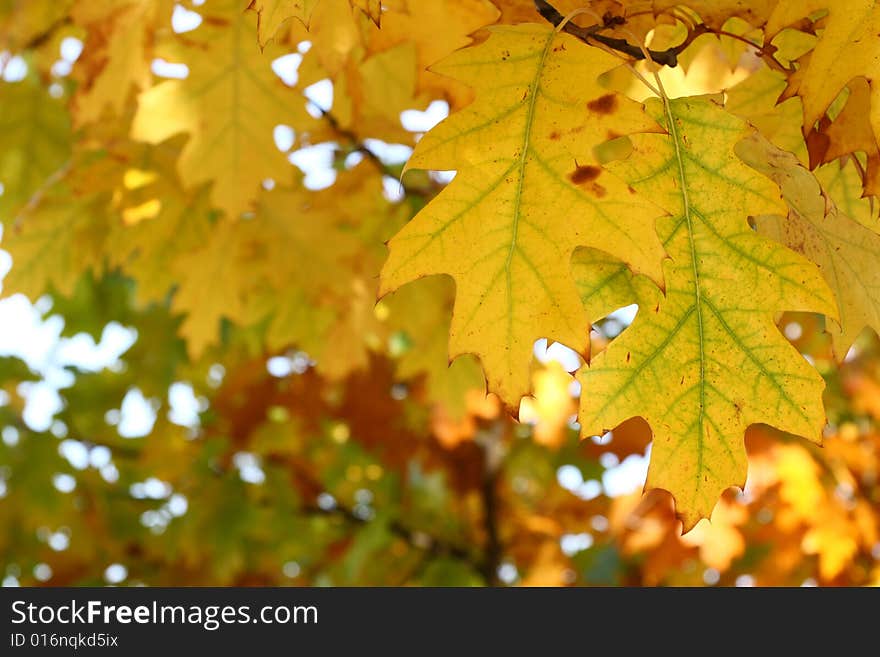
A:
x: 669, y: 57
x: 493, y: 549
x: 432, y: 545
x: 358, y: 146
x: 43, y: 37
x: 591, y: 35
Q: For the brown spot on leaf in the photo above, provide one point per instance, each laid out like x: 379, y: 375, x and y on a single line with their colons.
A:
x: 603, y: 104
x: 554, y: 135
x: 215, y: 21
x: 598, y: 190
x: 584, y: 174
x: 630, y: 189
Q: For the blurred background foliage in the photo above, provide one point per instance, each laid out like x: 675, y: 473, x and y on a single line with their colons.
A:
x: 191, y: 400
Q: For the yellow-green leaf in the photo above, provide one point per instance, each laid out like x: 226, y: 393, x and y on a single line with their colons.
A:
x: 229, y: 104
x: 707, y: 361
x: 754, y: 99
x: 319, y: 255
x: 419, y: 340
x: 606, y: 284
x: 54, y: 243
x: 157, y: 222
x: 844, y: 250
x: 528, y: 192
x: 842, y: 181
x: 34, y: 142
x: 214, y: 284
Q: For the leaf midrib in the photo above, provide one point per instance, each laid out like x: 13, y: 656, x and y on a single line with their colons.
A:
x: 698, y: 297
x: 523, y: 159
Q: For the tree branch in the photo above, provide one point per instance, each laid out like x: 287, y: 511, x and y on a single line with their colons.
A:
x: 359, y: 146
x: 668, y: 57
x: 430, y: 544
x: 493, y: 549
x: 43, y: 37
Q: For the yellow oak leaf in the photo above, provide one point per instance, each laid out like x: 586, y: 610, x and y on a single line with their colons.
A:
x: 754, y: 99
x: 786, y: 14
x: 846, y: 49
x: 318, y: 255
x: 289, y: 249
x: 842, y: 181
x: 419, y: 338
x: 215, y: 283
x: 229, y: 105
x: 372, y: 8
x: 436, y: 29
x: 271, y: 14
x: 791, y: 45
x: 606, y: 284
x: 382, y: 87
x: 299, y: 245
x: 707, y: 361
x: 157, y: 220
x: 844, y: 250
x: 336, y: 37
x: 338, y: 333
x: 115, y: 58
x: 527, y: 193
x: 851, y: 131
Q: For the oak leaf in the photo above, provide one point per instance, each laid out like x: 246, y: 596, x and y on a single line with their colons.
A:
x: 229, y: 105
x: 436, y: 28
x: 54, y: 242
x: 844, y: 250
x: 115, y: 57
x: 844, y: 51
x: 842, y: 182
x: 527, y: 193
x: 707, y: 361
x: 271, y: 14
x: 35, y: 144
x: 851, y: 131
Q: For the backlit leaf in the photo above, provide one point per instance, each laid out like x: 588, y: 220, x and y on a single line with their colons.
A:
x: 675, y: 365
x: 527, y: 193
x: 844, y: 250
x: 229, y: 105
